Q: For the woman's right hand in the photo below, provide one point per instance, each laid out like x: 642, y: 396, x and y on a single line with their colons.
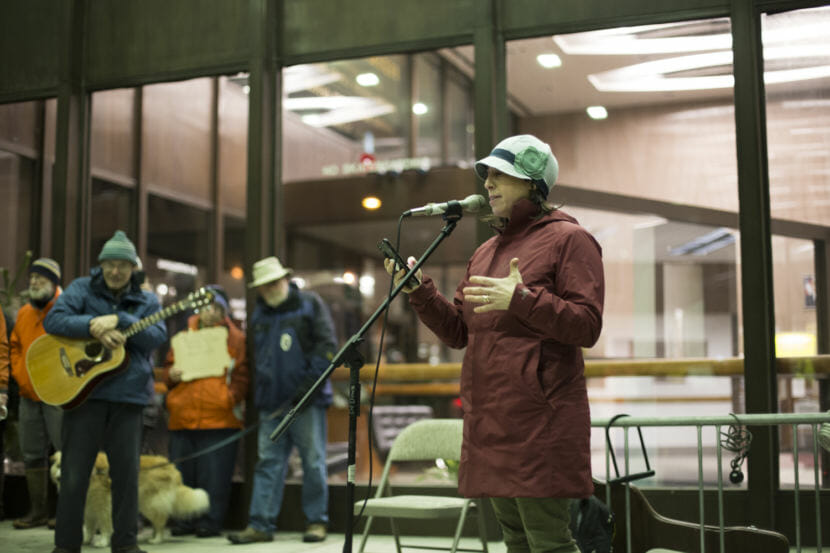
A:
x: 390, y: 268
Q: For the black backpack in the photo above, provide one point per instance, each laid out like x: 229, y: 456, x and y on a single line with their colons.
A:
x: 592, y: 525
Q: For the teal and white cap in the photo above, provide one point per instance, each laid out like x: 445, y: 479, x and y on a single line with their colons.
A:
x: 525, y: 157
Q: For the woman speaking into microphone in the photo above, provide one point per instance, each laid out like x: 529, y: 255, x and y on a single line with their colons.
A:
x: 530, y: 300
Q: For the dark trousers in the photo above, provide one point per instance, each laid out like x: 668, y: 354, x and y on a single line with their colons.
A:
x: 535, y: 524
x: 114, y: 428
x: 212, y: 472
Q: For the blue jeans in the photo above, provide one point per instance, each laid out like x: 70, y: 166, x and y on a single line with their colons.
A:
x: 308, y: 434
x: 212, y: 472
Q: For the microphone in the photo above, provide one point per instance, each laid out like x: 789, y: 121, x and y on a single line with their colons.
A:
x: 470, y: 204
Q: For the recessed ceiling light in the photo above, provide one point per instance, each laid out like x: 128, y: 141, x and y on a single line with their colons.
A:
x: 419, y: 108
x: 549, y: 61
x: 682, y: 73
x: 597, y: 112
x: 367, y: 79
x: 371, y: 203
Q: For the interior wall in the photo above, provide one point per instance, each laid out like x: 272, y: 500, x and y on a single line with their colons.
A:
x: 679, y: 153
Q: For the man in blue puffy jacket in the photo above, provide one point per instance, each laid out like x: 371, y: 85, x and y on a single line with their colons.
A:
x: 102, y: 306
x: 294, y: 343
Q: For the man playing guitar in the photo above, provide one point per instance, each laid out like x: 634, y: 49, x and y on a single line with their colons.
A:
x: 102, y: 306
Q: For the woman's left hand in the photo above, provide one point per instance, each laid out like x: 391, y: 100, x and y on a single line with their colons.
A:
x: 493, y: 293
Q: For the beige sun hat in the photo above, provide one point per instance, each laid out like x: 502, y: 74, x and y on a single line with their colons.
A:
x: 268, y: 270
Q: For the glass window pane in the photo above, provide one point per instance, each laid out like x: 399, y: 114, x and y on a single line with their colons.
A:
x: 797, y: 65
x: 232, y: 275
x: 426, y: 106
x: 23, y: 130
x: 111, y: 205
x: 177, y: 231
x: 335, y: 112
x: 176, y: 138
x: 17, y: 182
x: 796, y: 62
x: 112, y: 140
x: 177, y: 252
x: 637, y: 112
x: 233, y: 143
x: 668, y: 131
x: 18, y: 127
x: 461, y: 144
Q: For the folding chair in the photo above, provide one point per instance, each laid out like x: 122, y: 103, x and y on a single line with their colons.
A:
x: 389, y: 420
x: 424, y: 440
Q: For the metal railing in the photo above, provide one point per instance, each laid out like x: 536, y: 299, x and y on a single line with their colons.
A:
x: 717, y: 422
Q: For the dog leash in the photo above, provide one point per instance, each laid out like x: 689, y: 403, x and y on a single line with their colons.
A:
x: 222, y: 443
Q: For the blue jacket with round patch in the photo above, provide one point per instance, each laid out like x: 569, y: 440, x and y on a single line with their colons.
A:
x: 293, y: 345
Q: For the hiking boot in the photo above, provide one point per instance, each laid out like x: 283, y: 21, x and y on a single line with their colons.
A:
x: 127, y: 549
x: 207, y: 532
x: 315, y: 532
x: 32, y: 520
x: 178, y: 530
x: 250, y: 535
x: 36, y: 484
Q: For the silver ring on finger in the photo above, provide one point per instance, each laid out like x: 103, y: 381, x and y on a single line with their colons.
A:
x: 486, y: 299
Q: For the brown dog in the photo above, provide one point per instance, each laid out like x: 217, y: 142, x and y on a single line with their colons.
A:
x: 161, y: 495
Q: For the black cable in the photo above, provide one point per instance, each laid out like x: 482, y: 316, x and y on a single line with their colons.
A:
x: 359, y: 515
x: 737, y: 439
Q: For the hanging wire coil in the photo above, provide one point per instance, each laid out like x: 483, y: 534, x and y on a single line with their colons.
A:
x: 736, y: 439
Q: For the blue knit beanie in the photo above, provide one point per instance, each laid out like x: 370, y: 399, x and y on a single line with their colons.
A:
x: 119, y: 247
x: 220, y: 297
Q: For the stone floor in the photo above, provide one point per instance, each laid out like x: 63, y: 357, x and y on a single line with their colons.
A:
x: 39, y: 540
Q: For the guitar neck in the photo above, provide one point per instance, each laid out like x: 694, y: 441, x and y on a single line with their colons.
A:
x: 147, y: 322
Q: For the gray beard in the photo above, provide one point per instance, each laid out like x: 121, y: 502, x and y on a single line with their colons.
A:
x: 41, y: 295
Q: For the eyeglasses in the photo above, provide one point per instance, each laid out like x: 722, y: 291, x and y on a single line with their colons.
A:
x: 120, y: 265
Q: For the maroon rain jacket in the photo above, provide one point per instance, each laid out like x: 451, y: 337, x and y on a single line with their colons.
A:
x: 527, y: 424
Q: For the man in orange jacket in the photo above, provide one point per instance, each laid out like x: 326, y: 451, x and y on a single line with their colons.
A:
x: 202, y: 414
x: 39, y: 423
x: 4, y: 372
x: 4, y: 395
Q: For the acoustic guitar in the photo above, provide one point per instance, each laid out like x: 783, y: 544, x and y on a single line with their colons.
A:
x: 65, y: 370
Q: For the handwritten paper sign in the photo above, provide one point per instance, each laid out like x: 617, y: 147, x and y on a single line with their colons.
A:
x: 201, y: 353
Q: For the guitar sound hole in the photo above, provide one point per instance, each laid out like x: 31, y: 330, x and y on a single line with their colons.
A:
x: 93, y: 350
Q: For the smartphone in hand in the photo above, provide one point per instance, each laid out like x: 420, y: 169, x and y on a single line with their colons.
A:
x: 389, y: 251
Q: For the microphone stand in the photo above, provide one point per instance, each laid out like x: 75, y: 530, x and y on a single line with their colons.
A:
x: 351, y: 357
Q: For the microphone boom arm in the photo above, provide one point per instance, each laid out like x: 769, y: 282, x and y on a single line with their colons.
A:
x: 352, y: 358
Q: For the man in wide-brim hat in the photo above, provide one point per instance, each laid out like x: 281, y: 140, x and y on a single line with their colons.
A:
x: 294, y: 342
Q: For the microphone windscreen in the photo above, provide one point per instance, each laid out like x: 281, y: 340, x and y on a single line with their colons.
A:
x: 474, y: 203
